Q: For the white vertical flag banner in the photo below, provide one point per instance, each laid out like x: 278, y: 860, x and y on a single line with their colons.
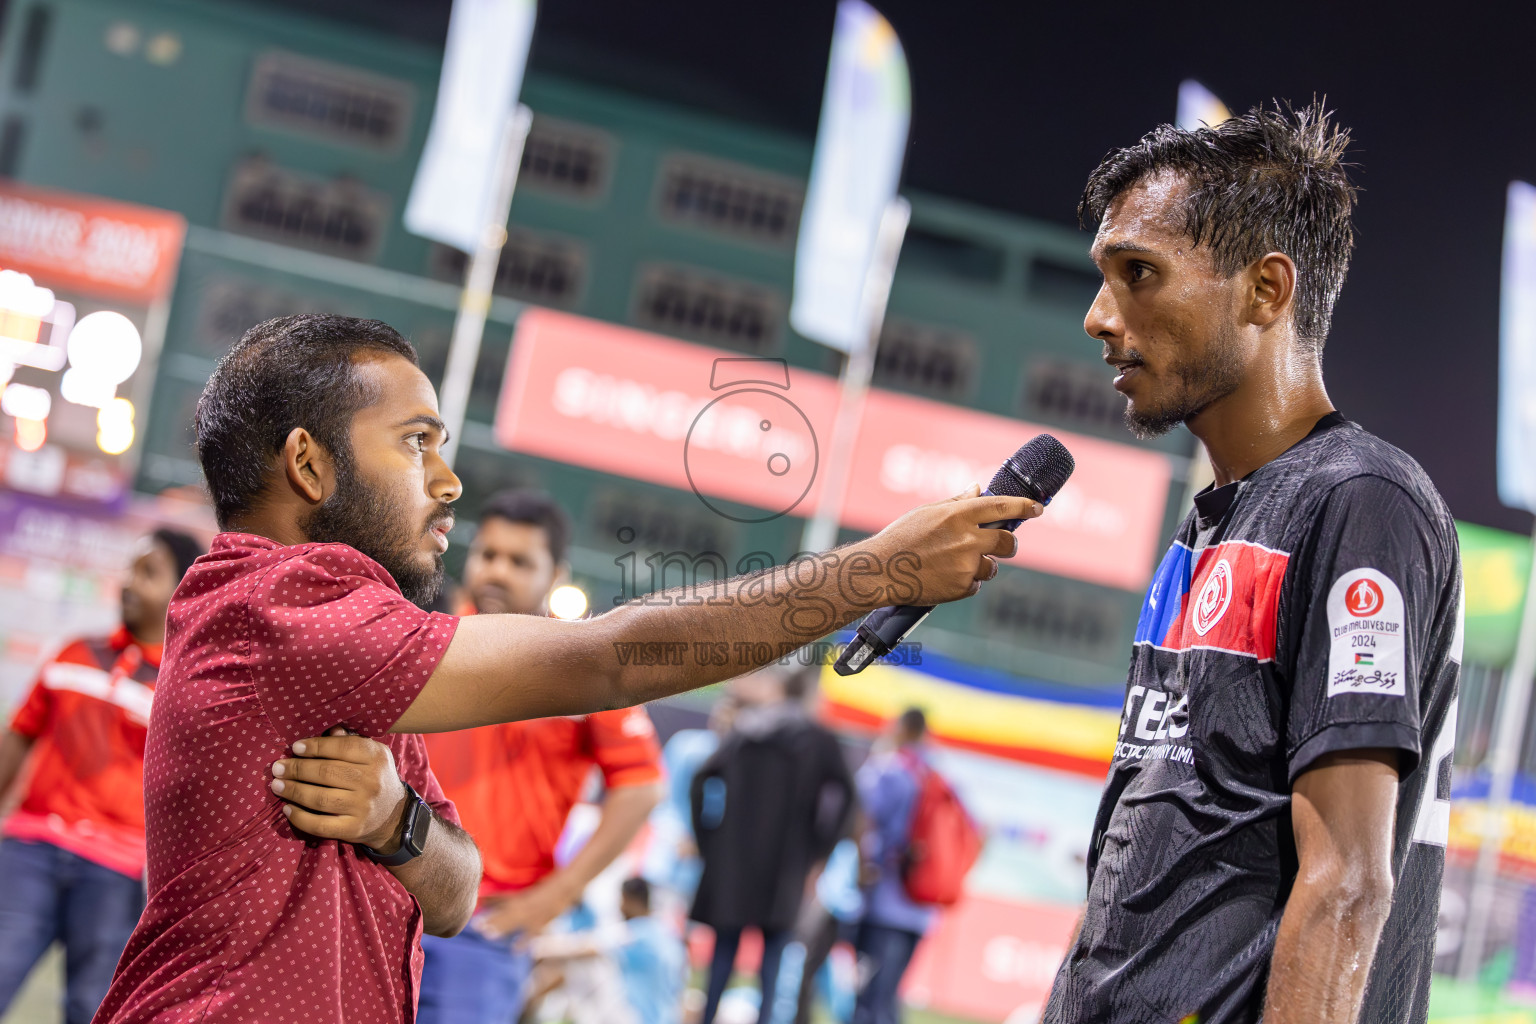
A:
x: 1517, y: 351
x: 860, y: 144
x: 1199, y: 106
x: 482, y: 75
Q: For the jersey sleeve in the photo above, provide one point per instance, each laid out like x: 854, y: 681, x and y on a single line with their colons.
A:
x: 624, y: 747
x: 332, y: 644
x: 31, y: 718
x: 1357, y: 624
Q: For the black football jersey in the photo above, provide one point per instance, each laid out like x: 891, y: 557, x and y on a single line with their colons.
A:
x: 1313, y: 607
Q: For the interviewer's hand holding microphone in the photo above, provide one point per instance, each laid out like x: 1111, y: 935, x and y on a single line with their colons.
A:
x: 968, y: 532
x: 954, y: 553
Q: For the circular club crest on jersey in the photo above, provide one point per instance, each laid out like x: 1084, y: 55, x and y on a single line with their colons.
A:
x: 1364, y: 598
x: 1214, y: 597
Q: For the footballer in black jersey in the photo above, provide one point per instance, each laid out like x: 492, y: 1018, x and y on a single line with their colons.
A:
x: 1271, y: 840
x: 1311, y: 607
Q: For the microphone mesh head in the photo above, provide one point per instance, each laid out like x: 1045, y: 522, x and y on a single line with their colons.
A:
x: 1038, y: 470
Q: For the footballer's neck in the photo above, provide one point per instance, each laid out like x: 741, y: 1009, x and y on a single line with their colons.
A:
x: 1277, y: 404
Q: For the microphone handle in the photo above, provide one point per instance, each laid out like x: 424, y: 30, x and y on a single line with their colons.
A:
x: 884, y: 628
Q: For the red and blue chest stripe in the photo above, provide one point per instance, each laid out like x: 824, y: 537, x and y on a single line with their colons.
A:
x: 1225, y: 600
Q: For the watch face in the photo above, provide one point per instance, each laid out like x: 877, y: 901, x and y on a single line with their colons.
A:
x: 416, y: 830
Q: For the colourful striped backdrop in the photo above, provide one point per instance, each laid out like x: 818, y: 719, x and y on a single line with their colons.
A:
x: 983, y: 710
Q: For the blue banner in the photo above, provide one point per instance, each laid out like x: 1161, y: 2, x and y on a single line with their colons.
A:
x: 859, y: 148
x: 1199, y: 106
x: 1517, y: 352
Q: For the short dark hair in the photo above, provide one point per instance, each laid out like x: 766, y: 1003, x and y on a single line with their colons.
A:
x: 294, y: 371
x: 800, y: 681
x: 1271, y: 180
x: 914, y: 723
x: 637, y: 889
x: 535, y: 508
x: 184, y: 548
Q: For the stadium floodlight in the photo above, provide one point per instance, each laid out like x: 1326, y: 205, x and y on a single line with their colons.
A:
x: 568, y: 602
x: 105, y: 345
x: 25, y: 402
x: 114, y: 426
x: 82, y: 388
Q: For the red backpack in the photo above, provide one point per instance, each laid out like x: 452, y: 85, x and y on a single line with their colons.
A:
x: 943, y: 842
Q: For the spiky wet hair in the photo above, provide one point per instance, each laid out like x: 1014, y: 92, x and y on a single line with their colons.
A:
x: 1271, y: 180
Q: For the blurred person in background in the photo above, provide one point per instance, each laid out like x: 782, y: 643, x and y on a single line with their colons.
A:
x: 672, y: 860
x: 650, y: 962
x: 515, y: 784
x: 892, y: 924
x: 831, y: 914
x: 768, y: 807
x: 651, y: 959
x: 72, y: 859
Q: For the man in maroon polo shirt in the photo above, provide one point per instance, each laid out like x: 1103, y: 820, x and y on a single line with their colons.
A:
x: 292, y: 868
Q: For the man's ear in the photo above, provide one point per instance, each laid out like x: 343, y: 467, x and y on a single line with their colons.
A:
x: 1273, y: 279
x: 308, y: 467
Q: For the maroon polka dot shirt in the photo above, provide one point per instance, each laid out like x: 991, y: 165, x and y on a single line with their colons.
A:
x: 246, y: 920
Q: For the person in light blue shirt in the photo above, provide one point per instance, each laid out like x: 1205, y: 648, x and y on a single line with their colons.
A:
x: 629, y: 973
x: 893, y: 924
x: 651, y: 959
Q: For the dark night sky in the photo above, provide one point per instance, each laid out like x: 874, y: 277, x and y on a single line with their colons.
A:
x: 1013, y: 104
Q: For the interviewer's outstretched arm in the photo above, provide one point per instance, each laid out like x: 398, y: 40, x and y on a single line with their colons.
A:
x: 502, y: 668
x: 1342, y: 812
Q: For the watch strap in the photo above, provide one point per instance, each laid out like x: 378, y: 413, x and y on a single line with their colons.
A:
x: 412, y: 837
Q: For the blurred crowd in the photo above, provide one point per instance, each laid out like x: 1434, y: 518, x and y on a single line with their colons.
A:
x: 743, y: 871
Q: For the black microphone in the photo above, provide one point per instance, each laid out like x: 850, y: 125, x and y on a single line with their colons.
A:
x: 1038, y: 470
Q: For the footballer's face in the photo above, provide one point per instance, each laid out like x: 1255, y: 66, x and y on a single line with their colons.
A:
x: 1170, y: 322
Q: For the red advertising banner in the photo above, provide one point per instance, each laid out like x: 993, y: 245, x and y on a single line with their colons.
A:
x: 991, y: 959
x: 750, y: 431
x: 1104, y: 526
x: 96, y: 246
x: 639, y: 405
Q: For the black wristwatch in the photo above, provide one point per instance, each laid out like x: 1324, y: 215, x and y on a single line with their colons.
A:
x: 413, y: 840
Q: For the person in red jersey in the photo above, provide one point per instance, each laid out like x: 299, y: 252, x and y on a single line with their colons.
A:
x: 515, y: 784
x: 292, y: 872
x: 73, y: 855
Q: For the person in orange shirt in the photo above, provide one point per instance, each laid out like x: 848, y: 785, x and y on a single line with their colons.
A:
x: 515, y: 784
x: 73, y: 857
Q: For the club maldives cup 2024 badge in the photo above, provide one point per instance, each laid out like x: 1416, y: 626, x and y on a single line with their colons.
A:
x: 1365, y: 628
